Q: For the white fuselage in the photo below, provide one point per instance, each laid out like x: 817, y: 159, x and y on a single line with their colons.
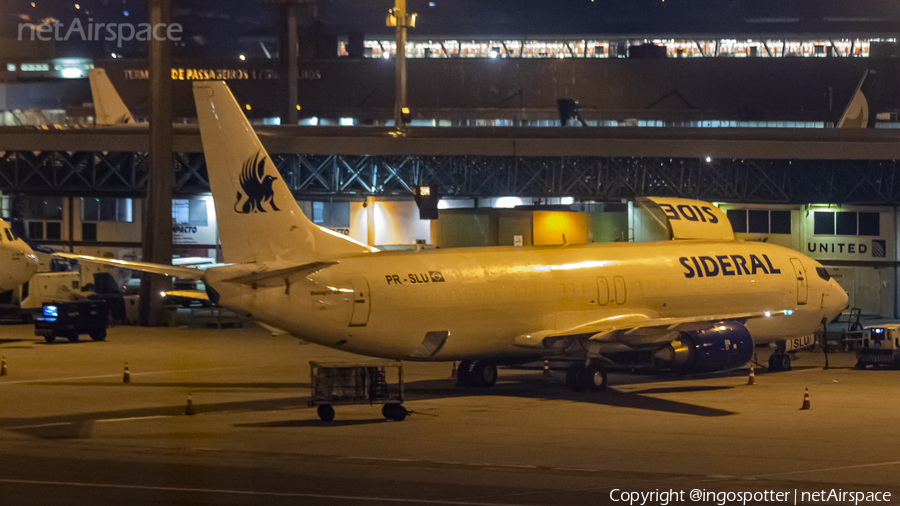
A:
x: 17, y: 261
x: 384, y: 304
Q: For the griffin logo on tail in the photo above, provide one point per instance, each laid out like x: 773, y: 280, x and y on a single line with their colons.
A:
x: 257, y: 186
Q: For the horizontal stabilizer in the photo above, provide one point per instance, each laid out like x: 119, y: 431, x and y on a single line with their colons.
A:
x: 687, y: 219
x: 165, y: 270
x: 280, y: 277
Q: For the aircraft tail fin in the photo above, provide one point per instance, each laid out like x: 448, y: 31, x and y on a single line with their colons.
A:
x: 109, y: 110
x: 258, y: 218
x: 862, y: 110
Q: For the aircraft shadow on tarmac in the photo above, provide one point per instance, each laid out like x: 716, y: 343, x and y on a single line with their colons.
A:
x: 529, y: 386
x: 195, y: 386
x: 312, y: 422
x: 36, y: 426
x: 517, y: 384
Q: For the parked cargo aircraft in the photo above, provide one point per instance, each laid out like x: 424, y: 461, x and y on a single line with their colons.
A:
x: 696, y: 302
x: 17, y: 261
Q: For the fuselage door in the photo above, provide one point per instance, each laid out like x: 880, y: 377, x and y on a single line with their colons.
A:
x: 602, y: 291
x: 802, y: 285
x: 359, y: 312
x: 620, y: 289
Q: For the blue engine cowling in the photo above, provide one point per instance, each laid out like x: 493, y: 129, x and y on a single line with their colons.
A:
x: 726, y: 345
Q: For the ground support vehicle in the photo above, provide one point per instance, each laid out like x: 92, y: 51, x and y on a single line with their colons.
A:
x: 345, y: 383
x: 69, y: 319
x: 880, y: 347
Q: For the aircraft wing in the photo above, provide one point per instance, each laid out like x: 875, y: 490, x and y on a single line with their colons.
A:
x: 636, y: 330
x: 166, y: 270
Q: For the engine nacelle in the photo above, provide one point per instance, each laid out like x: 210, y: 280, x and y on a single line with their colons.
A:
x: 724, y: 346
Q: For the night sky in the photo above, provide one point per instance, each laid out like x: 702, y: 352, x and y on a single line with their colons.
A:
x: 218, y: 28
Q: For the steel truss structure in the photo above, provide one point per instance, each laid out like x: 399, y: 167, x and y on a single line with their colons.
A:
x: 310, y: 177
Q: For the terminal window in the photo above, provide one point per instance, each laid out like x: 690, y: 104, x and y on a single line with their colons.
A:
x: 759, y: 221
x: 191, y: 212
x: 738, y: 219
x: 106, y: 209
x: 331, y: 214
x: 847, y: 223
x: 823, y: 223
x: 870, y: 224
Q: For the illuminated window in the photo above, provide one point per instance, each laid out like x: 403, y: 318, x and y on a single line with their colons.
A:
x: 106, y: 209
x: 191, y: 212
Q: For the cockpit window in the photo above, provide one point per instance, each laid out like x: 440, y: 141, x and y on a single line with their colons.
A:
x: 823, y: 273
x: 9, y: 235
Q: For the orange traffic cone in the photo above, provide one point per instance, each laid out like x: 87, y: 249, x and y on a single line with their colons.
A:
x: 752, y: 380
x: 547, y: 369
x: 805, y: 400
x: 3, y: 370
x: 126, y: 377
x: 189, y: 410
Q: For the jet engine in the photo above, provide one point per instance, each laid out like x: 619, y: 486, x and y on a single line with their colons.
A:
x: 725, y: 345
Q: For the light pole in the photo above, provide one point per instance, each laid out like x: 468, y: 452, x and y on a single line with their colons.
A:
x: 399, y: 18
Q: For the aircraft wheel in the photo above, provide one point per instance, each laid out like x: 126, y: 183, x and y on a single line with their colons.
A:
x: 595, y: 378
x: 575, y: 377
x: 463, y: 373
x: 774, y: 362
x: 394, y: 412
x: 483, y: 374
x: 325, y: 412
x: 785, y: 362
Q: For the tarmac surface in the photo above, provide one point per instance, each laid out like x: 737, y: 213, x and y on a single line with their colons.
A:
x: 72, y: 432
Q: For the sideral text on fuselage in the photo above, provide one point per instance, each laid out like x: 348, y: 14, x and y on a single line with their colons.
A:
x: 727, y: 265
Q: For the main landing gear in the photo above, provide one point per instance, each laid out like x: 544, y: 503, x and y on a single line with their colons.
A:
x: 779, y: 362
x: 592, y: 377
x: 476, y: 373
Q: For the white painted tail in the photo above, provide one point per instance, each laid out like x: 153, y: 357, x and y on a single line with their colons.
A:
x: 109, y: 110
x: 259, y: 220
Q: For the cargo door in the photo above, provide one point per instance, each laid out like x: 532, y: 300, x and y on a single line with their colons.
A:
x: 602, y: 291
x: 359, y: 312
x: 802, y: 284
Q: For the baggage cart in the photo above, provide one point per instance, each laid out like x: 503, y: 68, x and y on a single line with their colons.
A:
x: 346, y: 383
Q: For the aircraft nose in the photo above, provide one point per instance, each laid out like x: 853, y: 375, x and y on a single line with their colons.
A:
x: 31, y: 263
x: 841, y: 297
